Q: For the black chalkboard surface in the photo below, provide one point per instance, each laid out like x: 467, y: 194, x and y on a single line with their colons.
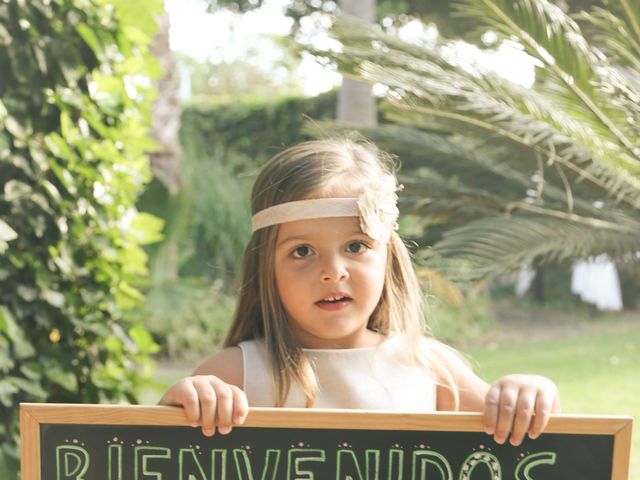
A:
x: 93, y: 442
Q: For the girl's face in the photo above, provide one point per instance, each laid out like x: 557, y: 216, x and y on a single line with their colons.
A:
x: 329, y: 277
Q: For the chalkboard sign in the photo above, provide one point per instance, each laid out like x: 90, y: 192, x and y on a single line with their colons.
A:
x: 98, y: 442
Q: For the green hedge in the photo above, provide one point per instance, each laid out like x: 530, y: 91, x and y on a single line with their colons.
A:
x: 257, y: 129
x: 74, y: 117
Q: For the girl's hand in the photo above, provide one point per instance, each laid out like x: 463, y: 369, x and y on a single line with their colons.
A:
x: 519, y: 404
x: 208, y: 402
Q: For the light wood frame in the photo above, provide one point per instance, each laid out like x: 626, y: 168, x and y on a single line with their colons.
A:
x: 32, y: 415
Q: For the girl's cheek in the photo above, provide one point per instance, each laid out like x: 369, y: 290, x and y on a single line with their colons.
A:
x: 298, y: 265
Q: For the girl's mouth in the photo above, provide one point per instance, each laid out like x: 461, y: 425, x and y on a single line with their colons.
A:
x: 335, y: 302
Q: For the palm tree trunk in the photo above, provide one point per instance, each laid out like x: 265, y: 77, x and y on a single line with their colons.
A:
x: 355, y: 101
x: 166, y: 113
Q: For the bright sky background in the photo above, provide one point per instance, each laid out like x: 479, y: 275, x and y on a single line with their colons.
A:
x: 224, y: 37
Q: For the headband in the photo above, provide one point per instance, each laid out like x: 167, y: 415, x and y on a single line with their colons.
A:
x: 376, y: 208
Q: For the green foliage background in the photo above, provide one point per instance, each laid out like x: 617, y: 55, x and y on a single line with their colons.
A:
x: 226, y: 142
x: 256, y: 128
x: 75, y: 93
x: 194, y: 269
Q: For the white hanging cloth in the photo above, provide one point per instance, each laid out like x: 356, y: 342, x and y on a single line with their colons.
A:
x: 596, y: 282
x: 525, y: 278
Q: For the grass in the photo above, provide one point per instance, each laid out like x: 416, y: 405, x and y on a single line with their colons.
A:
x: 594, y: 362
x: 597, y: 371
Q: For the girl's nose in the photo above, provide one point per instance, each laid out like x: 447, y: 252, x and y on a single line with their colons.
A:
x: 334, y: 270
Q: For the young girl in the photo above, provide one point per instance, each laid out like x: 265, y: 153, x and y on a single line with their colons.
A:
x: 330, y: 310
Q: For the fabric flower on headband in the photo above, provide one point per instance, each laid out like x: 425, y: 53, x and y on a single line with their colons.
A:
x: 377, y: 205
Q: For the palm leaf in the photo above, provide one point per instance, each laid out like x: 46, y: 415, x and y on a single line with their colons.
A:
x: 621, y: 43
x: 494, y: 246
x: 629, y: 11
x: 614, y: 36
x: 556, y: 40
x: 492, y: 105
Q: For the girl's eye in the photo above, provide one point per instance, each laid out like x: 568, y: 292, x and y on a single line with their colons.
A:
x: 356, y: 247
x: 301, y: 251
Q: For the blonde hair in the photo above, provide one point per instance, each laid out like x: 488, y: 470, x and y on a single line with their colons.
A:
x: 317, y: 169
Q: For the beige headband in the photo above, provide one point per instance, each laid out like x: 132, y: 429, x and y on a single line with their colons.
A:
x: 376, y: 208
x: 305, y: 209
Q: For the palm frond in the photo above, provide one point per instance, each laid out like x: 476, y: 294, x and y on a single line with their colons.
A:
x: 493, y: 105
x: 496, y: 245
x: 621, y: 44
x: 494, y: 117
x: 544, y: 30
x: 507, y: 171
x: 614, y: 37
x: 556, y: 40
x: 630, y: 12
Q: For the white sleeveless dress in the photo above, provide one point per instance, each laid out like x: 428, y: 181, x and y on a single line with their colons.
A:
x: 372, y: 378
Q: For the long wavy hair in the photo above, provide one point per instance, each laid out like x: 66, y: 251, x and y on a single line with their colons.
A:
x: 319, y: 169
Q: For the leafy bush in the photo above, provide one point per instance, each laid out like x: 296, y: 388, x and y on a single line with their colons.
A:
x: 74, y: 116
x: 219, y: 215
x: 461, y: 322
x: 190, y: 302
x: 189, y: 317
x: 258, y: 129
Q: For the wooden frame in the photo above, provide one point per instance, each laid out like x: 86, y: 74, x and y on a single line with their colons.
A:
x: 32, y: 416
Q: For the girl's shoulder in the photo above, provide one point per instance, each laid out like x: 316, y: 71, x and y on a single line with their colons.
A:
x: 459, y: 388
x: 226, y: 364
x: 446, y: 356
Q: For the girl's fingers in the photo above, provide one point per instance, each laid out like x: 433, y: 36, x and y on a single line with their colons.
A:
x: 524, y: 413
x: 491, y: 407
x: 543, y: 408
x: 519, y: 404
x: 506, y: 412
x: 225, y: 405
x: 208, y: 404
x: 240, y: 405
x: 186, y: 395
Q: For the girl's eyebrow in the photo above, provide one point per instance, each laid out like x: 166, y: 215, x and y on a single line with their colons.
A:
x: 295, y: 238
x: 292, y: 238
